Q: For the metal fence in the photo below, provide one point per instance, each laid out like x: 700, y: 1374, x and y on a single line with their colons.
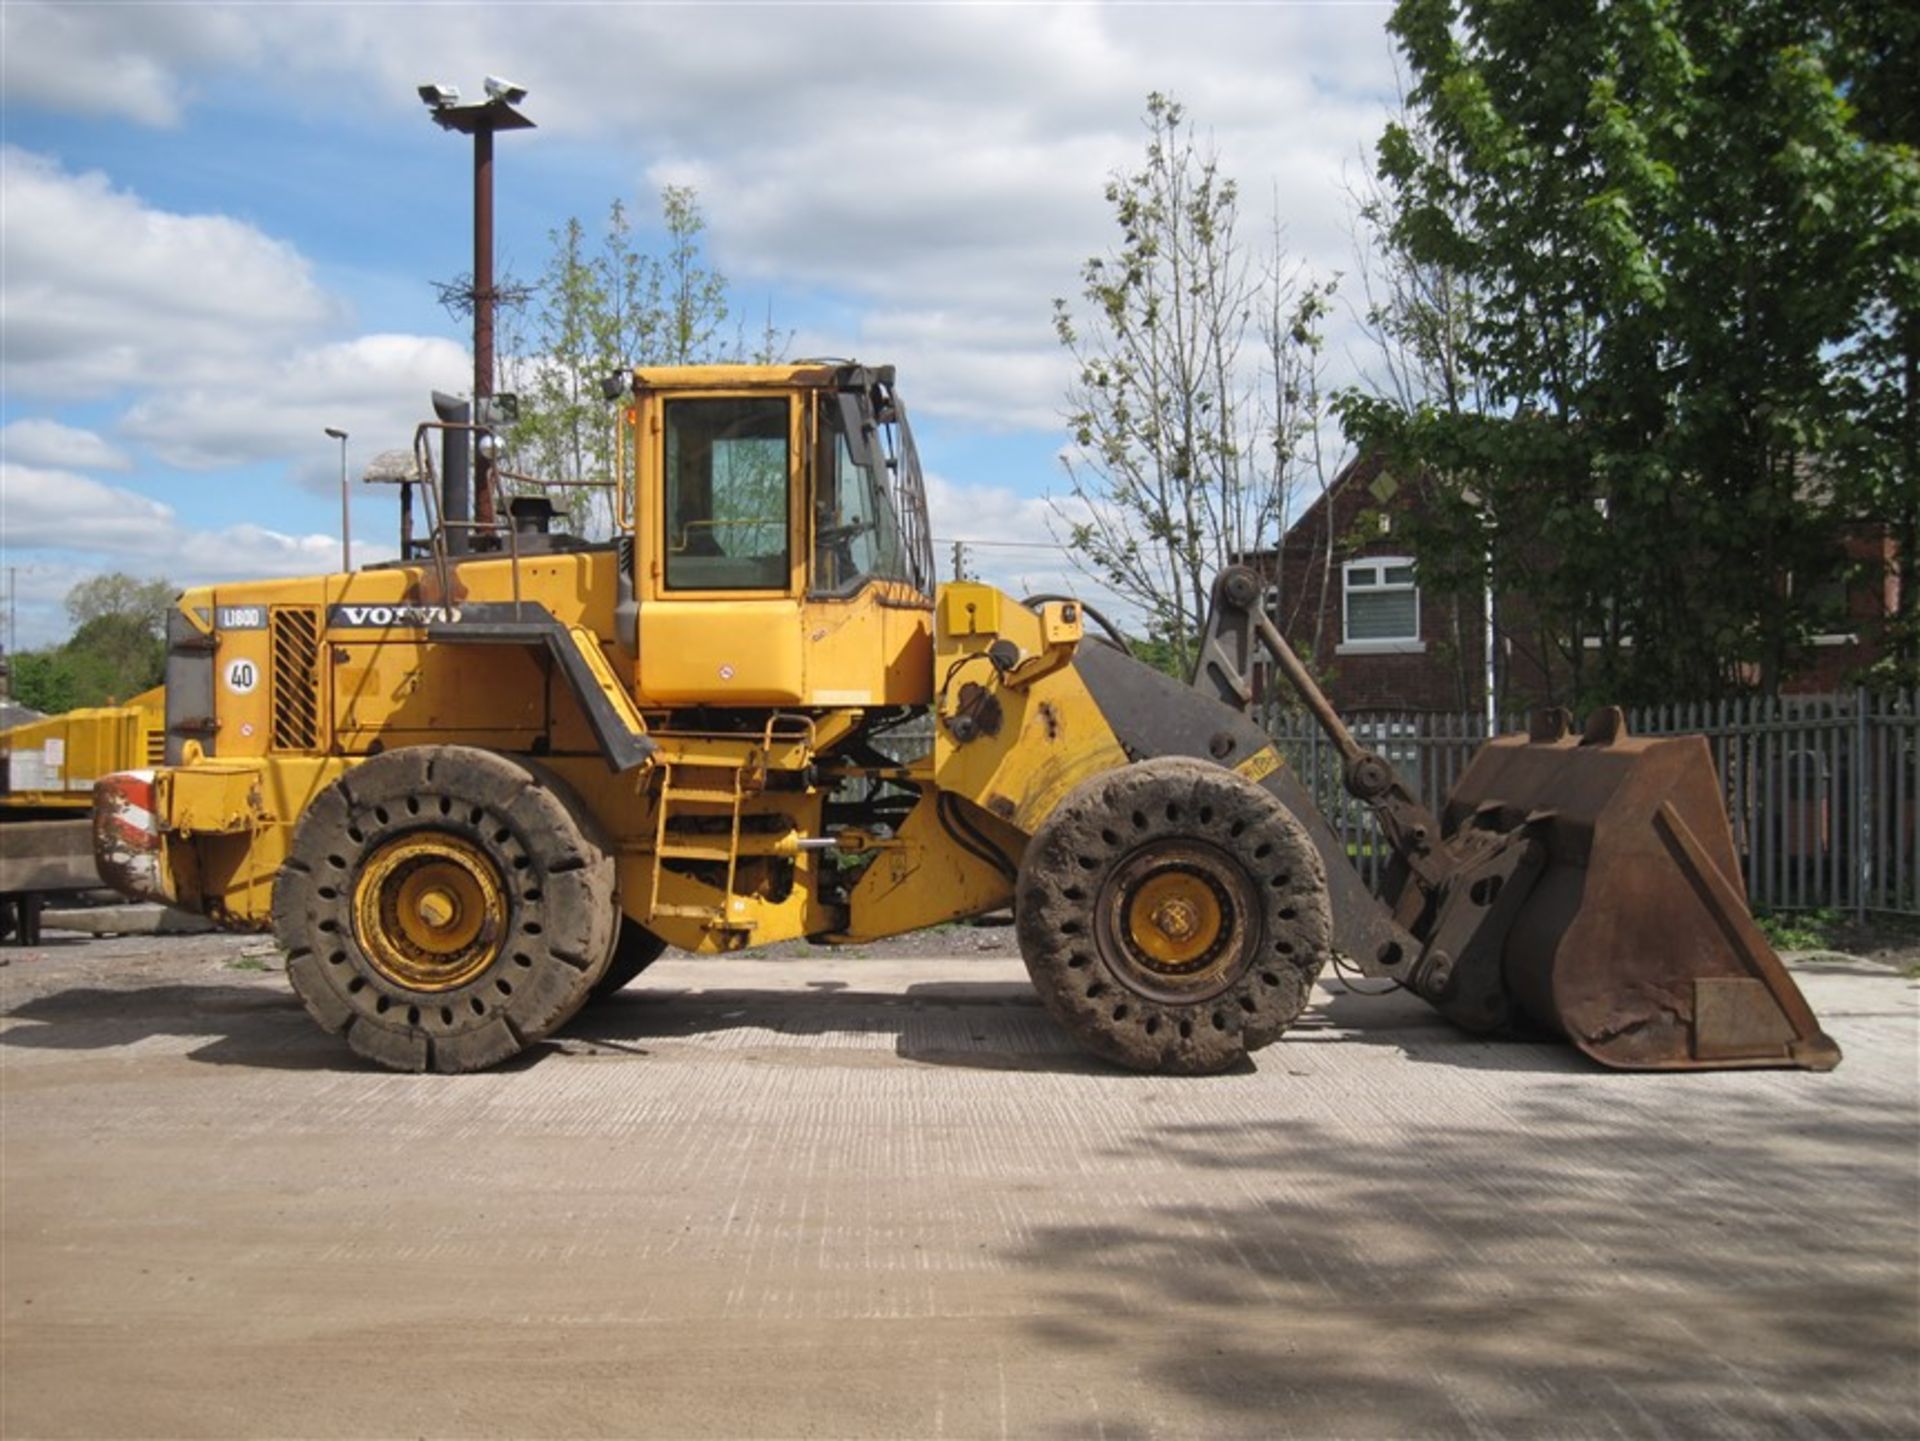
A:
x: 1820, y: 789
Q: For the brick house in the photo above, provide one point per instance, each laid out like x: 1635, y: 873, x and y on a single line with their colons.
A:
x: 1860, y: 609
x: 1344, y: 587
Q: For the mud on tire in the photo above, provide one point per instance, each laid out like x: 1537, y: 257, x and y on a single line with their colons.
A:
x: 1173, y: 916
x: 445, y: 907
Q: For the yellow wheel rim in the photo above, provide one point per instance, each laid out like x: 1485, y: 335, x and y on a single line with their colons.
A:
x: 1174, y: 917
x: 1177, y: 920
x: 430, y: 910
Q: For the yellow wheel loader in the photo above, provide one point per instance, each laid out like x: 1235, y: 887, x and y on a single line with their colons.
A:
x: 471, y: 789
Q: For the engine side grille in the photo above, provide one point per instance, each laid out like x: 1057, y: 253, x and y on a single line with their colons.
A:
x: 295, y: 634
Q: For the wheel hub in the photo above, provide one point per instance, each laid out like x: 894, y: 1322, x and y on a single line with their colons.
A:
x: 1174, y: 916
x: 429, y: 910
x: 1173, y: 920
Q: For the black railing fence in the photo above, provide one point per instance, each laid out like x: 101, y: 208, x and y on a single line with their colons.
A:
x: 1821, y: 789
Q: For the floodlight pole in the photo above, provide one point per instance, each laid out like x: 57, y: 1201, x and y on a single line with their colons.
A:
x: 346, y: 517
x: 483, y: 298
x: 481, y: 121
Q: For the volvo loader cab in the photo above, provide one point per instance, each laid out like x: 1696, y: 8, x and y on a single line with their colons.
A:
x: 475, y: 788
x: 781, y: 551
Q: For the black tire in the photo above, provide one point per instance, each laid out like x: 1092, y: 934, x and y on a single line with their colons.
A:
x: 1173, y: 916
x: 445, y: 907
x: 635, y: 950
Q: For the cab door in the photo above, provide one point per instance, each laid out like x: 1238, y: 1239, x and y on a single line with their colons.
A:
x: 721, y: 550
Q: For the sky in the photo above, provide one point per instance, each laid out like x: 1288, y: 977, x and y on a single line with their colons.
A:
x: 219, y: 228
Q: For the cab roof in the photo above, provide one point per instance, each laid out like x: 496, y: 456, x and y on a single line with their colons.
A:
x: 820, y: 374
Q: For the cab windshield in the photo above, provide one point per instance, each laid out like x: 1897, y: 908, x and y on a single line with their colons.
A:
x: 869, y: 508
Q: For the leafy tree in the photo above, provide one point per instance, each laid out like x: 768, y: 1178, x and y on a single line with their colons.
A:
x: 46, y: 680
x: 1418, y: 311
x: 1878, y: 459
x: 1159, y: 654
x: 603, y: 304
x: 1196, y: 400
x: 119, y: 594
x: 117, y: 648
x: 1665, y: 216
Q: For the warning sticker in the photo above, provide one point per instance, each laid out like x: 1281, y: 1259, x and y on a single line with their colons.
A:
x: 1261, y: 764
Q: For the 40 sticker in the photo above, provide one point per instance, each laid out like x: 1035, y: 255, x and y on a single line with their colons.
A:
x: 242, y: 676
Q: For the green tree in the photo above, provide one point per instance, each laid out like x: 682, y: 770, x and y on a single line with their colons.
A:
x: 605, y: 303
x: 1878, y: 459
x: 116, y: 651
x: 1195, y: 403
x: 1658, y: 208
x: 119, y: 594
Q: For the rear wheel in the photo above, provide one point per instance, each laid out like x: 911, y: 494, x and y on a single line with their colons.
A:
x: 1173, y: 916
x: 444, y: 908
x: 635, y: 950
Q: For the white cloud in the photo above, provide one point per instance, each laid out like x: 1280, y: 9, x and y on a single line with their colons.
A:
x: 255, y: 552
x: 120, y: 60
x: 39, y: 441
x: 101, y: 291
x: 69, y: 511
x: 928, y: 161
x: 1016, y: 542
x: 58, y: 510
x: 375, y: 387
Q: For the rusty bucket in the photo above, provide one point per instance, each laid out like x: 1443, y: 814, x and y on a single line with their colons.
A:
x: 1635, y: 942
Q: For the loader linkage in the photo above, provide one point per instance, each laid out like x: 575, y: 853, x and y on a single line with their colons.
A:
x: 1586, y: 886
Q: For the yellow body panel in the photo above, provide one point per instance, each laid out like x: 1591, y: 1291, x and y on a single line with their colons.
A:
x: 1046, y: 737
x: 53, y: 762
x: 215, y: 798
x: 1039, y: 740
x: 723, y: 652
x: 227, y: 826
x: 874, y: 650
x: 926, y: 879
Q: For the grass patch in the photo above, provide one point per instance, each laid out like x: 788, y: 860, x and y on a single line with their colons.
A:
x: 1801, y: 930
x: 247, y: 963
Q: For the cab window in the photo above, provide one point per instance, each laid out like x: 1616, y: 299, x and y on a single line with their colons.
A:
x: 856, y: 533
x: 726, y: 494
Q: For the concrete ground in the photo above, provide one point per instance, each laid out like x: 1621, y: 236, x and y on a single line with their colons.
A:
x: 868, y: 1197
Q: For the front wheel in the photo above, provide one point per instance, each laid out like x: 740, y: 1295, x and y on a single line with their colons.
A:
x: 1173, y: 916
x: 445, y: 907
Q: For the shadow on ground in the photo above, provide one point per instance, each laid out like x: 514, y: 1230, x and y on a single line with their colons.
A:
x: 257, y: 1025
x: 981, y: 1025
x: 976, y: 1024
x: 1731, y: 1268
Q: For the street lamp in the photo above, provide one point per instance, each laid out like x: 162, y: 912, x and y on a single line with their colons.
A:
x: 480, y: 119
x: 346, y: 523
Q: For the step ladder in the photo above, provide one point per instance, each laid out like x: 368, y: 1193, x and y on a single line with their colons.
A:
x: 705, y: 794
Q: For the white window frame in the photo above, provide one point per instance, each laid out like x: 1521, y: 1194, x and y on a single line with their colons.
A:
x: 1379, y: 564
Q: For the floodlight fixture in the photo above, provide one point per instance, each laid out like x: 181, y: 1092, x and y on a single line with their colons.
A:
x: 439, y: 97
x: 505, y: 90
